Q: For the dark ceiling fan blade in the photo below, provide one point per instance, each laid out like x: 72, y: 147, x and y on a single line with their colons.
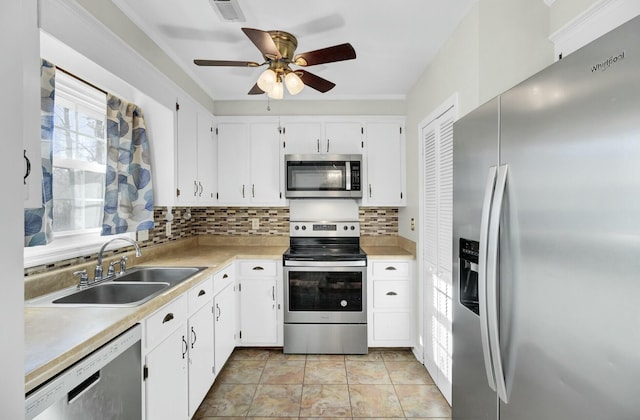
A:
x: 316, y: 82
x: 226, y: 63
x: 255, y: 90
x: 325, y: 55
x: 264, y: 42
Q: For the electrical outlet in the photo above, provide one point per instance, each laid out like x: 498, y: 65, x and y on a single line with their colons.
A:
x: 168, y: 229
x: 143, y: 235
x: 255, y: 223
x: 413, y: 224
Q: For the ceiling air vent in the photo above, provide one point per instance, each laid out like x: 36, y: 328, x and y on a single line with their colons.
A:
x: 228, y: 10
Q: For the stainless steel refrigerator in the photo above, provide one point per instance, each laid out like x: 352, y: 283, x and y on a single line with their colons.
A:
x: 546, y: 317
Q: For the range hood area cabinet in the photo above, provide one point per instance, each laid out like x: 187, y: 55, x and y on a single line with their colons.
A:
x: 311, y: 137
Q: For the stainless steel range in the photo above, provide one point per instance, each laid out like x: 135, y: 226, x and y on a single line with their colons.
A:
x: 325, y: 289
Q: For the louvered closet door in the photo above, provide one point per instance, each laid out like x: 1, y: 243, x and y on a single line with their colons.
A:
x: 437, y: 248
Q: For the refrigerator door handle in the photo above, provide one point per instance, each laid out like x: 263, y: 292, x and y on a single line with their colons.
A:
x: 492, y: 282
x: 482, y: 274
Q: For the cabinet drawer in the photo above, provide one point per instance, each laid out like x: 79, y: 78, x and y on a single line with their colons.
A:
x: 199, y: 295
x: 389, y: 269
x: 392, y: 326
x: 165, y: 321
x: 391, y: 294
x: 223, y: 278
x: 259, y: 268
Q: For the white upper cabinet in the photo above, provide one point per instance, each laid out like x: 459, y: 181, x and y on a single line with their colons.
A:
x: 342, y: 137
x: 309, y: 137
x: 249, y: 164
x: 196, y: 183
x: 385, y: 162
x: 29, y: 39
x: 301, y: 137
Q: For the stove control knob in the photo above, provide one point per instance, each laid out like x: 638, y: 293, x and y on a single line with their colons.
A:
x: 304, y: 227
x: 346, y: 227
x: 296, y: 227
x: 353, y: 227
x: 343, y: 303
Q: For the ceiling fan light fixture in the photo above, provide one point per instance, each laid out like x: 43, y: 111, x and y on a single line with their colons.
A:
x: 294, y: 83
x: 267, y: 80
x: 277, y: 91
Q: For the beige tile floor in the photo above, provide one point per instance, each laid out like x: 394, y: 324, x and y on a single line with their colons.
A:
x: 265, y: 383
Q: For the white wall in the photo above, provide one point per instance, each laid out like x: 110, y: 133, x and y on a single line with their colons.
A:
x: 11, y: 213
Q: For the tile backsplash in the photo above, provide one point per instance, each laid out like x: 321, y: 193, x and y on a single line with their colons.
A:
x: 235, y: 221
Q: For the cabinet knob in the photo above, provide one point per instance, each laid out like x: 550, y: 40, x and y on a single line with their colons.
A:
x: 201, y: 293
x: 258, y: 268
x: 391, y: 268
x: 392, y: 294
x: 168, y: 317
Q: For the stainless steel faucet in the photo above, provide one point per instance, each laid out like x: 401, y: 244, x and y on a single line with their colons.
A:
x: 98, y: 275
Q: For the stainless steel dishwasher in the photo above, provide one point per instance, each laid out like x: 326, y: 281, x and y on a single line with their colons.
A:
x: 107, y: 384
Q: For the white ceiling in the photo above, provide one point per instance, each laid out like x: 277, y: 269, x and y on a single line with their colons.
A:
x: 395, y: 40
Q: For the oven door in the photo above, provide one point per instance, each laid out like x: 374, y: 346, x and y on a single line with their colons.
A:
x: 325, y: 295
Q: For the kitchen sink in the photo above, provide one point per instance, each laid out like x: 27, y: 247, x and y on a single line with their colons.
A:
x: 129, y: 294
x: 133, y: 288
x: 171, y: 275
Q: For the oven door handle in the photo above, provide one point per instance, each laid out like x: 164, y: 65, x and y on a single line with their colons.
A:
x: 361, y: 263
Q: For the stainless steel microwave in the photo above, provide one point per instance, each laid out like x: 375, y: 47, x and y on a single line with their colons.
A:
x: 323, y: 176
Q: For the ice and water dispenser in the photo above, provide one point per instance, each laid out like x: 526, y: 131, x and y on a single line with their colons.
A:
x: 469, y: 274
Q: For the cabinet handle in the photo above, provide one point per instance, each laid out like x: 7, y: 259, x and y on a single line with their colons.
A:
x: 225, y: 276
x: 257, y: 268
x: 195, y: 337
x: 253, y: 190
x: 242, y: 190
x: 201, y: 189
x: 186, y: 347
x: 201, y: 293
x: 273, y: 293
x: 392, y: 294
x: 369, y: 190
x: 168, y: 317
x: 28, y: 170
x: 195, y: 188
x: 391, y: 268
x: 219, y: 312
x: 318, y: 145
x: 327, y: 145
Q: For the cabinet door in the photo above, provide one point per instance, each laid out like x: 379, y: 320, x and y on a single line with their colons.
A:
x: 385, y: 165
x: 201, y: 355
x: 225, y: 325
x: 301, y: 137
x: 166, y: 384
x: 266, y: 186
x: 233, y: 163
x: 258, y: 315
x: 186, y: 150
x: 207, y: 159
x: 342, y: 137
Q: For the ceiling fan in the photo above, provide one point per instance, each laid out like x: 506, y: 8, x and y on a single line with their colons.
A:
x: 277, y: 48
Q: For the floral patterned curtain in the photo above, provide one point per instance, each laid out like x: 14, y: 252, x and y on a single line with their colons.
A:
x: 38, y: 222
x: 128, y: 204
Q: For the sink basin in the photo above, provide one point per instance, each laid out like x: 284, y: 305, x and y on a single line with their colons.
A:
x: 171, y: 275
x: 128, y: 294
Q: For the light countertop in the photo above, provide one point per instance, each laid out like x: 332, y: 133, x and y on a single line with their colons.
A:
x: 57, y: 337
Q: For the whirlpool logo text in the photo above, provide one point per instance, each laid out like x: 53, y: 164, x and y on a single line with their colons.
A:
x: 607, y: 63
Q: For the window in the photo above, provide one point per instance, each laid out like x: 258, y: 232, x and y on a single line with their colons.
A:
x: 79, y: 165
x: 79, y: 156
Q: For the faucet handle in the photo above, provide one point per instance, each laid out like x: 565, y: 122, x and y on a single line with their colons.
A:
x: 84, y: 278
x: 123, y: 264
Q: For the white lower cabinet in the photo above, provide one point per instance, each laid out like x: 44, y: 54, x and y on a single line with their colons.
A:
x: 224, y: 311
x: 260, y: 285
x: 165, y: 362
x: 390, y: 296
x: 179, y: 355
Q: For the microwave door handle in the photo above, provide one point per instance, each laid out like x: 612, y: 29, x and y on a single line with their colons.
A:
x: 492, y: 282
x: 482, y: 274
x: 347, y: 170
